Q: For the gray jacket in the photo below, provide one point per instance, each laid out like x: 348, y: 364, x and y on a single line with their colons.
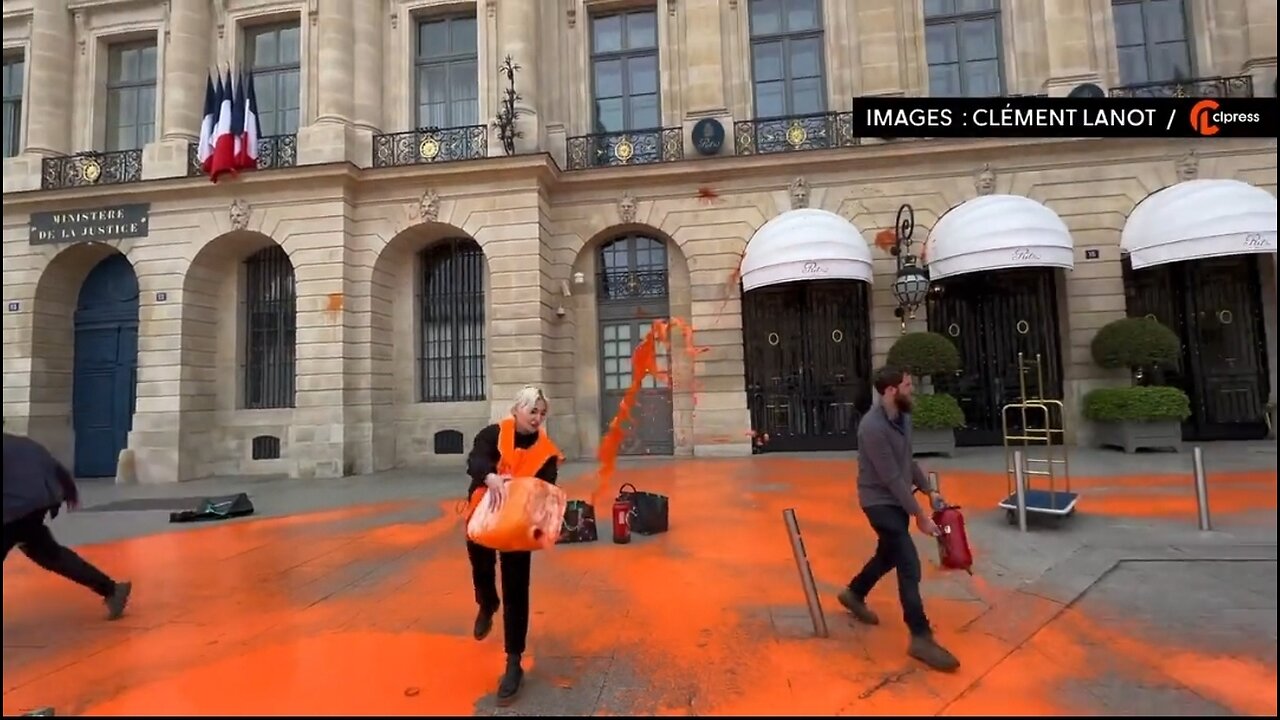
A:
x: 886, y: 471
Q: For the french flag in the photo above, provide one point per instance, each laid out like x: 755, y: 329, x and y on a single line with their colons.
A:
x: 247, y: 158
x: 223, y: 140
x: 212, y: 102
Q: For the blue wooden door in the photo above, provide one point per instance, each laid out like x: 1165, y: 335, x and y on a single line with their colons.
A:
x: 106, y: 366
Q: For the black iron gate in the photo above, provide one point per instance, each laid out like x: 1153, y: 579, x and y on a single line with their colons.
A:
x: 991, y: 317
x: 1215, y: 306
x: 808, y: 363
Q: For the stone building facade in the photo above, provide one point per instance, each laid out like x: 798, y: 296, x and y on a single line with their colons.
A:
x: 391, y: 275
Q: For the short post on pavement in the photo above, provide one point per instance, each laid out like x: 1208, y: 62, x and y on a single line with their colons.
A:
x: 1020, y: 488
x: 1202, y: 489
x: 806, y: 573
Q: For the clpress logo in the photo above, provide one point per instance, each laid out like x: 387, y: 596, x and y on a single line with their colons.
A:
x: 1202, y: 117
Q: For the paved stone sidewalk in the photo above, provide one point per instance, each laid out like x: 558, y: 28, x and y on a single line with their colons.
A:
x: 354, y: 596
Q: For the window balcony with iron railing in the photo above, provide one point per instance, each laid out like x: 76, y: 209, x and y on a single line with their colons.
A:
x: 1238, y: 86
x: 817, y: 131
x: 91, y: 168
x: 630, y: 147
x: 431, y: 145
x: 274, y: 152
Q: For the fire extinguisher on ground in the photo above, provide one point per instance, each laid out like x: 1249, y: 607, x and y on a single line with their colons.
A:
x: 622, y: 521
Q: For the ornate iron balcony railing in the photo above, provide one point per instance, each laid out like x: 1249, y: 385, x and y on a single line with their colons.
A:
x: 91, y: 168
x: 1239, y: 86
x: 274, y: 151
x: 632, y: 147
x: 819, y: 131
x: 631, y: 285
x: 431, y: 145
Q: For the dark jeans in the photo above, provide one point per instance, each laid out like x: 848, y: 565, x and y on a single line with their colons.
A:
x: 894, y: 551
x: 515, y: 590
x: 32, y: 536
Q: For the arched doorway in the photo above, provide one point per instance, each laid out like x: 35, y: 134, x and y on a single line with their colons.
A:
x: 1191, y: 261
x: 633, y: 291
x: 105, y: 373
x: 995, y: 262
x: 806, y: 332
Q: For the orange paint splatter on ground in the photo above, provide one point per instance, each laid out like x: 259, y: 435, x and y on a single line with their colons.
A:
x: 644, y: 363
x: 706, y: 619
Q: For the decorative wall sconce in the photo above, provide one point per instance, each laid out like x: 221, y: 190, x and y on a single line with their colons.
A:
x: 579, y: 278
x: 911, y: 285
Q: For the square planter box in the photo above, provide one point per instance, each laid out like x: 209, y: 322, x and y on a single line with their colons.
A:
x: 933, y: 442
x: 1129, y: 436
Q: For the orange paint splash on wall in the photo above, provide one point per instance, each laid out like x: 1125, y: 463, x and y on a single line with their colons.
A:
x: 644, y: 363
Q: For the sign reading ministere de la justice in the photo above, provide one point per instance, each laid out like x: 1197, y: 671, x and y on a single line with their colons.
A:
x: 116, y: 222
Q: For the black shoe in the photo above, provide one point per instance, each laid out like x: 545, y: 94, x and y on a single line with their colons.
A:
x: 484, y: 624
x: 927, y: 650
x: 857, y: 607
x: 509, y: 686
x: 118, y: 600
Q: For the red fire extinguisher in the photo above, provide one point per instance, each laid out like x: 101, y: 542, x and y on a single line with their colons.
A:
x: 953, y: 542
x: 622, y: 521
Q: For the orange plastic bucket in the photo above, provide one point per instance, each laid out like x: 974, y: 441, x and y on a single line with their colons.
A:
x: 530, y: 519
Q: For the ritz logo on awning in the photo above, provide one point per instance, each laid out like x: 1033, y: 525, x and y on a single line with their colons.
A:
x: 1255, y: 241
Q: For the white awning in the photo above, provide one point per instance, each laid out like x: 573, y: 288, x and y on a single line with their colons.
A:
x: 1200, y: 219
x: 997, y: 232
x: 806, y: 244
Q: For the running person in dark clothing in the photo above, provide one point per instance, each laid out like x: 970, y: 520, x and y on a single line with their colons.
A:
x: 886, y: 476
x: 35, y: 485
x: 517, y: 446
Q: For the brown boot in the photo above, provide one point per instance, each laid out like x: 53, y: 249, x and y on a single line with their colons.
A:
x: 927, y: 650
x: 857, y: 608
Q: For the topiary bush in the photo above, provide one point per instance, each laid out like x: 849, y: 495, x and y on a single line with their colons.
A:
x: 1136, y: 343
x: 925, y: 353
x: 936, y: 412
x: 1136, y: 404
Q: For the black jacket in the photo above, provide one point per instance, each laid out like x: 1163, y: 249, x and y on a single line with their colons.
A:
x: 484, y: 457
x: 34, y: 480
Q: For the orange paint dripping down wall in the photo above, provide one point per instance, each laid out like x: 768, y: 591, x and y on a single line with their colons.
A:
x: 644, y: 362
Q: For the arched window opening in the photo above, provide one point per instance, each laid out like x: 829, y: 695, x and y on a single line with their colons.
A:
x: 271, y: 328
x: 451, y: 295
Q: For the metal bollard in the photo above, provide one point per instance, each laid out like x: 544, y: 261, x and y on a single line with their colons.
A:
x: 806, y: 573
x: 1020, y: 488
x: 1202, y: 489
x: 933, y: 482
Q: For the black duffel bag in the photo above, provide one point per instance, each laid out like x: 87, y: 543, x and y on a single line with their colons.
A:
x: 579, y: 524
x: 648, y: 510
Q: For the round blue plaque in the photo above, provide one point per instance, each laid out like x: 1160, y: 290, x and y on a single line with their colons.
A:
x: 708, y: 136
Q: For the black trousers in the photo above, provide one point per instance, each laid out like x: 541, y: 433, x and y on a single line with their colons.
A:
x: 515, y: 590
x: 33, y: 537
x: 894, y: 551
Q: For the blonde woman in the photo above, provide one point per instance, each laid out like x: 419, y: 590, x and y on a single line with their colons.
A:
x: 516, y: 446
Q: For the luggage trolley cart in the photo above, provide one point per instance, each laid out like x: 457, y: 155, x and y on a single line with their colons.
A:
x: 1043, y: 446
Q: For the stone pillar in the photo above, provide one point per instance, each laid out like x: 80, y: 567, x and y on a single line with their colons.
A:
x: 186, y: 63
x: 186, y: 68
x: 1070, y: 47
x: 704, y: 58
x: 879, y: 43
x: 52, y: 55
x: 367, y: 21
x: 1260, y: 48
x: 330, y: 139
x: 518, y: 24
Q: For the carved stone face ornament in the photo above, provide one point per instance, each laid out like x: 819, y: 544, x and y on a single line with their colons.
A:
x: 238, y: 214
x: 799, y: 193
x: 985, y: 181
x: 1188, y: 167
x: 429, y: 206
x: 627, y: 209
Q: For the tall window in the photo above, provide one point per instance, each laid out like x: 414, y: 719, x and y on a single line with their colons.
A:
x: 131, y: 95
x: 271, y: 329
x: 273, y: 54
x: 962, y: 44
x: 624, y: 71
x: 448, y: 82
x: 786, y: 57
x: 1151, y: 41
x: 452, y: 303
x: 13, y: 68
